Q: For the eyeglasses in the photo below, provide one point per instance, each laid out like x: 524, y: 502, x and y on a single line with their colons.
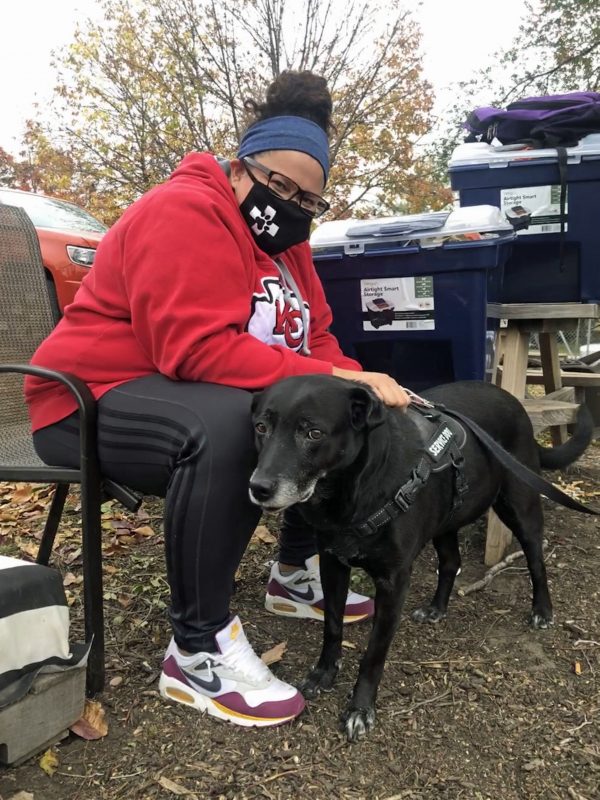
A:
x: 281, y: 186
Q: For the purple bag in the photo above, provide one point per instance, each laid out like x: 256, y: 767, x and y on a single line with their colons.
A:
x: 556, y: 120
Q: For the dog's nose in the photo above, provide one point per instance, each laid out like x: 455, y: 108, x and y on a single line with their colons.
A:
x: 262, y: 490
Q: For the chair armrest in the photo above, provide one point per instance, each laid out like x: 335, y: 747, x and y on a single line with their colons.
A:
x: 87, y: 426
x: 85, y: 403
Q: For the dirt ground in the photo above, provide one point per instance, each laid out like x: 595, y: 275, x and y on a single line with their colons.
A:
x: 478, y: 707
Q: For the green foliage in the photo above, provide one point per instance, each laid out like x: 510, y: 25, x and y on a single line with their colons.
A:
x: 157, y: 79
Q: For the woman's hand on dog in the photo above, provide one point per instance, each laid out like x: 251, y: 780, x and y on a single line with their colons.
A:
x: 385, y: 387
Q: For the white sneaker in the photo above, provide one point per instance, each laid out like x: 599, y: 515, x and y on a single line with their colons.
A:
x: 233, y: 684
x: 300, y: 594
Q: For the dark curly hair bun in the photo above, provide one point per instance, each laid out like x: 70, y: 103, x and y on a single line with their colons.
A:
x: 300, y: 94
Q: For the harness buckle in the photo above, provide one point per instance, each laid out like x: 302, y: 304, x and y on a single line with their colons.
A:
x: 372, y: 526
x: 417, y: 399
x: 401, y: 500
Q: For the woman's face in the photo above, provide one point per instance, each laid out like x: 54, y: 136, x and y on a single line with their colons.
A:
x: 301, y: 168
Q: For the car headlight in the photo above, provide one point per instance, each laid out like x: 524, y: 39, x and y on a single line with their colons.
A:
x: 82, y: 256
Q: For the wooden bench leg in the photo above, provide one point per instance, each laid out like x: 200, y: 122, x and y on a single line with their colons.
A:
x: 552, y: 379
x: 497, y: 541
x: 498, y: 352
x: 514, y: 369
x: 514, y: 377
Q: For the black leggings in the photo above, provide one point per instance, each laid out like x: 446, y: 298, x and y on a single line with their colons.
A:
x: 191, y: 443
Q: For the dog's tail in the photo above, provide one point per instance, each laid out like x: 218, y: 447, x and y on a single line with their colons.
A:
x: 564, y: 454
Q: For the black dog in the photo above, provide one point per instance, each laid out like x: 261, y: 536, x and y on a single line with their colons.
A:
x: 378, y: 483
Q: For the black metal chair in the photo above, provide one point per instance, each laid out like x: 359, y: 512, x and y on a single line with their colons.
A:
x: 25, y: 319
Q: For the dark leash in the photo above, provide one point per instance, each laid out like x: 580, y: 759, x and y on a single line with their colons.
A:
x: 528, y: 476
x: 442, y: 448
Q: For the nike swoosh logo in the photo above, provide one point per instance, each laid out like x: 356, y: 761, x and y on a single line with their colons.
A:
x: 214, y: 685
x: 307, y: 595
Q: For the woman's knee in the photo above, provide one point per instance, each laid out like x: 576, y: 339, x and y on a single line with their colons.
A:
x: 219, y: 425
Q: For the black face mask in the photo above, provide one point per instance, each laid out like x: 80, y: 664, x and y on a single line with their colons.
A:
x: 275, y: 224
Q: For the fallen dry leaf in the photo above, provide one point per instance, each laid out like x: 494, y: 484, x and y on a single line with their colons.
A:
x: 73, y: 556
x: 144, y: 530
x: 174, y: 788
x: 577, y: 667
x: 126, y: 538
x: 274, y: 654
x: 116, y: 681
x: 263, y: 534
x: 70, y: 579
x: 30, y: 548
x: 70, y: 597
x: 92, y: 724
x: 49, y: 762
x: 22, y: 495
x: 21, y: 796
x: 349, y: 645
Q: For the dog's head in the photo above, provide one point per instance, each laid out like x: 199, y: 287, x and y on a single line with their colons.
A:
x: 307, y: 427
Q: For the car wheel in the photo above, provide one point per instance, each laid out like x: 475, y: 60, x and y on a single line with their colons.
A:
x: 56, y: 314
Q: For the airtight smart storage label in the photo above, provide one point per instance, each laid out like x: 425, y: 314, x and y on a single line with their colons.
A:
x: 398, y: 304
x: 543, y: 202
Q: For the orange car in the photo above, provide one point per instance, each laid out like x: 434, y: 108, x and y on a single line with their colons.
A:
x: 68, y: 238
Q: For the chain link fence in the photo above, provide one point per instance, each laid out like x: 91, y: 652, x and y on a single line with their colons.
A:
x: 584, y: 340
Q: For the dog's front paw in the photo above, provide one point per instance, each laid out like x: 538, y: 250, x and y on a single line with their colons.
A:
x: 428, y: 614
x: 357, y: 722
x: 319, y: 679
x: 541, y: 620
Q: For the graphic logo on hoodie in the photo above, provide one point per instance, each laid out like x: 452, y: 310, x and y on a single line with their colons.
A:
x: 275, y: 317
x: 263, y: 221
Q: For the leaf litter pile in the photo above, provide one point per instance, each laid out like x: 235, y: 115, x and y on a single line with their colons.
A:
x: 478, y: 707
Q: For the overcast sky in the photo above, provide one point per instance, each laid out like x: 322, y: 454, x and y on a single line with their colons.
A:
x: 458, y: 36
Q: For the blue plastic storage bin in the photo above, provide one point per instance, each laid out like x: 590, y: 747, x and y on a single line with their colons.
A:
x: 509, y: 177
x: 409, y: 294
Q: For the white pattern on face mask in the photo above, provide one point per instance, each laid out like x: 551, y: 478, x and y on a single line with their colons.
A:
x: 263, y: 221
x: 279, y: 226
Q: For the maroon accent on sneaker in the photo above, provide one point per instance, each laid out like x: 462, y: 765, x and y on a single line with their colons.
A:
x: 367, y: 607
x: 233, y: 701
x: 171, y: 669
x: 273, y: 709
x: 275, y: 589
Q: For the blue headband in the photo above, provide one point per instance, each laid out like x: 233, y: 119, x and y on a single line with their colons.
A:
x: 287, y: 133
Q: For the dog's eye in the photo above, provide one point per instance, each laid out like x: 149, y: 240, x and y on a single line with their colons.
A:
x: 315, y: 434
x: 260, y: 428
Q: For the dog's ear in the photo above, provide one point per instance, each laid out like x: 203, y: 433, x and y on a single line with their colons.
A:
x: 256, y: 397
x: 366, y: 409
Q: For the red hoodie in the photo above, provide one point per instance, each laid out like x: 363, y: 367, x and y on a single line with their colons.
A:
x: 180, y: 288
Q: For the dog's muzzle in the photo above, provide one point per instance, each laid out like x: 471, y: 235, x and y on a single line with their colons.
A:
x: 275, y: 495
x: 261, y: 490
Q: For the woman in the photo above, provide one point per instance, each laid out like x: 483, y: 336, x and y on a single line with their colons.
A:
x: 201, y: 293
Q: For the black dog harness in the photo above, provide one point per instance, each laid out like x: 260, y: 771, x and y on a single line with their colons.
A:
x: 443, y: 440
x: 444, y: 437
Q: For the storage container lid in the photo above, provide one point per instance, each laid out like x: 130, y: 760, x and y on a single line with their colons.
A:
x: 481, y: 154
x: 425, y: 230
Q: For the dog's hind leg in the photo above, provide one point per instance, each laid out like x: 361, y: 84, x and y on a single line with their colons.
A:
x: 335, y: 579
x: 520, y: 509
x: 448, y: 553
